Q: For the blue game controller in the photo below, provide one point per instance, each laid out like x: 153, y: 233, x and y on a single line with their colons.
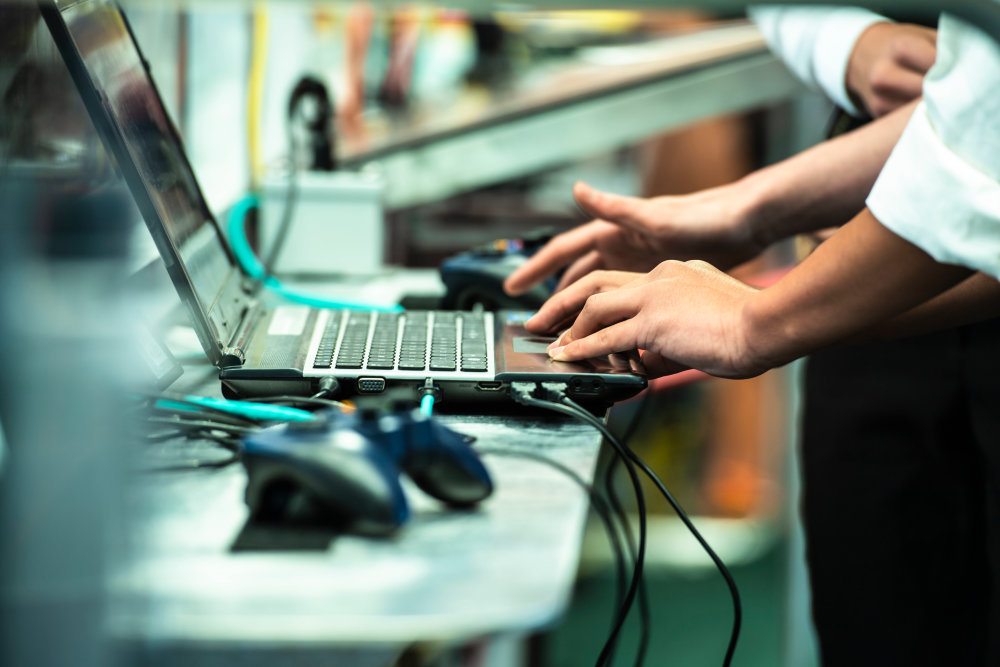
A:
x: 476, y: 277
x: 343, y: 469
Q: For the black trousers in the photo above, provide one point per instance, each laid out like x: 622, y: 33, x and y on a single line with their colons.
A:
x: 901, y: 499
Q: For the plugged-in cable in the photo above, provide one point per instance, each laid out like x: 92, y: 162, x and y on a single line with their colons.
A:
x: 582, y: 414
x: 328, y: 386
x: 523, y: 392
x: 253, y: 267
x: 629, y: 538
x: 428, y: 396
x: 596, y: 501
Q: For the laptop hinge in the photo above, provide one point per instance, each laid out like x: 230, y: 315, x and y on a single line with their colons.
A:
x: 234, y: 354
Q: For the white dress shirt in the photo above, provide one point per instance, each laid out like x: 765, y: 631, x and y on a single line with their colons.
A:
x: 940, y: 188
x: 815, y: 42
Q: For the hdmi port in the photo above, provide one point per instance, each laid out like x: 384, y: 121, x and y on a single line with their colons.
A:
x: 489, y: 386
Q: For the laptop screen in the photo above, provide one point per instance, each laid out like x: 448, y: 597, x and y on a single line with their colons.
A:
x: 149, y: 151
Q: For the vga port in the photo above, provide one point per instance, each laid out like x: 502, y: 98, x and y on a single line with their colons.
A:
x: 371, y: 385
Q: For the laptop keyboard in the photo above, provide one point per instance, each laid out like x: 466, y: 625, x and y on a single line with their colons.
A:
x: 411, y: 341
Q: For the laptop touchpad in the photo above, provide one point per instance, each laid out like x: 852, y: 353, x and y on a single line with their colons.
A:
x: 532, y: 344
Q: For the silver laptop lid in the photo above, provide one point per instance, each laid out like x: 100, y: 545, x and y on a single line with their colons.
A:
x: 114, y: 81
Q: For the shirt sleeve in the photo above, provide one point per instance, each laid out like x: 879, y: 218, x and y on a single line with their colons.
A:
x: 940, y: 188
x: 816, y: 43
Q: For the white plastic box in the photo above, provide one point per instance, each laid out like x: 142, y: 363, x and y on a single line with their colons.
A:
x: 338, y: 224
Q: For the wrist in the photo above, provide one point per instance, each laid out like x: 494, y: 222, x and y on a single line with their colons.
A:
x: 754, y: 208
x: 767, y: 341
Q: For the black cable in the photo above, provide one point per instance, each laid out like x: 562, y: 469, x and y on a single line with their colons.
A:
x: 306, y: 87
x: 521, y: 392
x: 328, y: 386
x: 723, y: 570
x: 215, y: 417
x: 288, y: 209
x: 615, y: 502
x: 220, y: 434
x: 194, y: 465
x: 224, y: 440
x: 181, y: 423
x: 595, y: 500
x: 150, y: 403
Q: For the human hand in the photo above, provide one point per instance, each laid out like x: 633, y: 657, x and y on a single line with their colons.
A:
x: 680, y: 315
x: 636, y: 234
x: 562, y: 308
x: 887, y: 65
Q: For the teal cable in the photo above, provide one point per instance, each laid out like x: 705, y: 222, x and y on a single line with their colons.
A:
x: 427, y: 405
x: 262, y: 411
x: 247, y: 259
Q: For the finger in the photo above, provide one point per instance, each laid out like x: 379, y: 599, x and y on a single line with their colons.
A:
x: 561, y: 308
x: 619, y: 209
x: 916, y: 53
x: 564, y: 305
x: 898, y: 83
x: 557, y: 253
x: 602, y: 310
x: 607, y: 340
x: 587, y: 264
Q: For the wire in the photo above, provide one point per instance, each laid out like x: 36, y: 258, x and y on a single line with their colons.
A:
x: 152, y: 402
x: 428, y: 395
x: 723, y: 570
x: 181, y: 423
x: 595, y: 500
x: 288, y: 208
x: 307, y: 87
x: 298, y: 400
x: 256, y: 271
x: 195, y: 464
x: 427, y: 405
x: 255, y: 90
x: 521, y: 392
x: 615, y: 503
x: 328, y: 386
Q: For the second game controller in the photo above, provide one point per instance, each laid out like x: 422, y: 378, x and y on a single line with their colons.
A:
x: 343, y: 469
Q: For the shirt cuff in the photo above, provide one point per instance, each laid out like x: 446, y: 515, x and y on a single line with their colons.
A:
x: 932, y: 198
x: 832, y: 51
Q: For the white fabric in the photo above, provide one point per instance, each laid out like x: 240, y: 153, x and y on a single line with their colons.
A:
x: 815, y: 43
x: 940, y: 188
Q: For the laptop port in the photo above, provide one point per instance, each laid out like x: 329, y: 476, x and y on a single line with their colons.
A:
x: 489, y: 386
x: 371, y: 385
x: 586, y: 386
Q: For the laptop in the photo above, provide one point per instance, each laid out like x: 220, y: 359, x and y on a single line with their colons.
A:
x: 262, y: 348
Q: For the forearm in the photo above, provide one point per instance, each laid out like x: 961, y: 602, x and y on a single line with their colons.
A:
x: 975, y: 299
x: 863, y: 276
x: 821, y: 187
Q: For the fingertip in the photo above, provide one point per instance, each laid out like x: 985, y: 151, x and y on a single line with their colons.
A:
x: 532, y: 325
x: 583, y: 193
x: 511, y: 286
x: 557, y: 343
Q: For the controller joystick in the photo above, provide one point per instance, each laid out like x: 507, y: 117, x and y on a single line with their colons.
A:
x: 344, y: 469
